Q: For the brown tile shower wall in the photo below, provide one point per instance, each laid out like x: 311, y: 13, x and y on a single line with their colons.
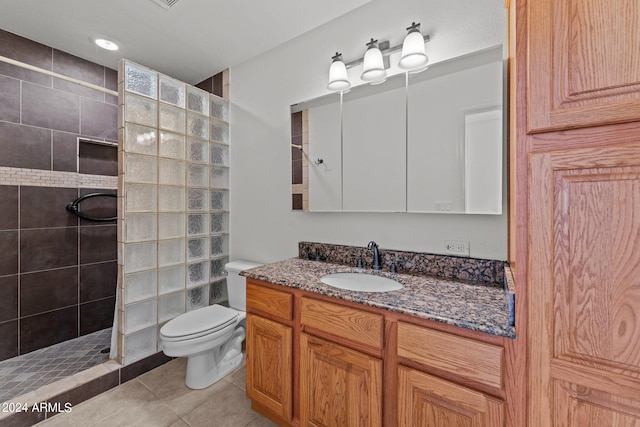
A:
x: 57, y: 273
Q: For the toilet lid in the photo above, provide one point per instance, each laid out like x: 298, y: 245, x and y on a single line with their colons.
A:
x: 199, y: 322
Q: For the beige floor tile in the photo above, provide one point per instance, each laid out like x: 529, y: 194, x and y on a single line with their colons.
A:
x: 60, y: 420
x: 229, y: 408
x: 167, y: 383
x: 153, y: 414
x: 239, y: 378
x: 126, y: 398
x: 260, y: 421
x: 180, y: 423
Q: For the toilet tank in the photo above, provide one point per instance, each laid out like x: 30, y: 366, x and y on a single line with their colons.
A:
x: 236, y: 284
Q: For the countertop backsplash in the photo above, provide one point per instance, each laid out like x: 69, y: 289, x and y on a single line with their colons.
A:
x: 485, y: 271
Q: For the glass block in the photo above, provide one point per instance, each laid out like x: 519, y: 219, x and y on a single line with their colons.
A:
x: 196, y: 224
x: 139, y: 286
x: 140, y: 227
x: 217, y: 268
x: 219, y: 154
x: 171, y: 145
x: 218, y: 108
x: 198, y: 100
x: 197, y: 249
x: 140, y: 80
x: 140, y: 110
x: 140, y: 345
x: 139, y: 168
x: 170, y: 306
x: 170, y: 199
x: 197, y: 274
x: 172, y: 118
x: 140, y: 139
x: 197, y: 176
x: 171, y: 279
x: 219, y: 177
x: 219, y: 222
x: 140, y: 315
x: 220, y: 200
x: 219, y: 245
x: 139, y: 256
x: 170, y: 225
x: 172, y: 91
x: 140, y: 198
x: 170, y: 252
x: 218, y: 292
x: 171, y: 172
x: 197, y: 151
x: 197, y: 199
x: 197, y: 298
x: 197, y: 125
x: 219, y: 131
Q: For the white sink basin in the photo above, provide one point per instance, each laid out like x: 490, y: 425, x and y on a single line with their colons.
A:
x: 361, y: 282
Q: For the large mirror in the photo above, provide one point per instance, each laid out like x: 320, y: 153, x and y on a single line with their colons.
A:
x: 443, y: 136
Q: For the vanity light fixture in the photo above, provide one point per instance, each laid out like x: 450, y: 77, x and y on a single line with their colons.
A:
x: 376, y: 60
x: 373, y: 67
x: 413, y: 53
x: 338, y: 79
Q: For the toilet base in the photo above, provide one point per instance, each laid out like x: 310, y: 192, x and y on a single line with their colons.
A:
x: 208, y: 367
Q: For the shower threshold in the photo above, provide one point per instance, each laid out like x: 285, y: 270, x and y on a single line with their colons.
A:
x: 28, y: 372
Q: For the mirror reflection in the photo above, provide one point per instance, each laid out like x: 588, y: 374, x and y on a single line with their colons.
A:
x: 442, y: 133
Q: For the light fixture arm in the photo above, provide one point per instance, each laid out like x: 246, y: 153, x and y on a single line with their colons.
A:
x: 385, y: 49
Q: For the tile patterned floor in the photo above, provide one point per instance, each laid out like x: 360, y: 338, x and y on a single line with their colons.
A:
x: 30, y: 371
x: 159, y: 398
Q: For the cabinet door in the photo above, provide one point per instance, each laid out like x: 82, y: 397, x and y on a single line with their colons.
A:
x: 584, y: 287
x: 338, y: 386
x: 428, y: 401
x: 269, y: 365
x: 583, y: 63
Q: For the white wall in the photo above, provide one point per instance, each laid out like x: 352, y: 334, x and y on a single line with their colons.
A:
x: 262, y: 225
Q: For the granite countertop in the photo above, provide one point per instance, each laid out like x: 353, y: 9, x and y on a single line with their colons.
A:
x: 470, y: 305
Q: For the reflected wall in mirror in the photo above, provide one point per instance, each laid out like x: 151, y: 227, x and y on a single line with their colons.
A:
x: 454, y: 136
x: 428, y: 142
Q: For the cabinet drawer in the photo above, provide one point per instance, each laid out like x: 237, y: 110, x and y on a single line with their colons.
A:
x: 356, y: 325
x: 471, y: 359
x: 270, y: 301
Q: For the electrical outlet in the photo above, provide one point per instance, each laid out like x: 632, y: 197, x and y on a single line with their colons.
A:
x: 456, y: 247
x: 443, y: 205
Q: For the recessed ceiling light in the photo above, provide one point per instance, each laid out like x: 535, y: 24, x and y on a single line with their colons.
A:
x: 106, y: 44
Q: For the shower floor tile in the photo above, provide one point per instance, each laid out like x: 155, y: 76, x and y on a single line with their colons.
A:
x: 30, y: 371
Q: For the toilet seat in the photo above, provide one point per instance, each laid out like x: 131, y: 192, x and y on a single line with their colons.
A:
x: 198, y: 323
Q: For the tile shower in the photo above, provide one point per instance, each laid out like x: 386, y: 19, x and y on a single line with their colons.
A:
x: 57, y: 273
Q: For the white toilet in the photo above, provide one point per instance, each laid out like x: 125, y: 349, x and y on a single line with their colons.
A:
x: 211, y: 337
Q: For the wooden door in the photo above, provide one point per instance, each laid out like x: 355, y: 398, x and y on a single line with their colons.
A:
x: 583, y: 63
x: 338, y: 386
x: 584, y: 286
x: 269, y: 365
x: 428, y: 401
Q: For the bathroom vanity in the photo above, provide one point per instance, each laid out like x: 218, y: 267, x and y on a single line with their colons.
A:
x: 431, y: 353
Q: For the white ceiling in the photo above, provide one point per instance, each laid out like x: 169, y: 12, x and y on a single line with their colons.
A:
x: 191, y: 41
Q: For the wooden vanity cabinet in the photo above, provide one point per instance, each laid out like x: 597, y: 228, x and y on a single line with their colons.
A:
x: 338, y: 386
x: 270, y: 350
x: 343, y: 364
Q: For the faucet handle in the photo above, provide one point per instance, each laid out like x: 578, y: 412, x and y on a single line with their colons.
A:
x: 394, y: 268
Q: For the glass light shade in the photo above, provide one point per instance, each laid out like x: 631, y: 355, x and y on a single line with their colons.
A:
x: 373, y: 67
x: 413, y: 52
x: 338, y: 79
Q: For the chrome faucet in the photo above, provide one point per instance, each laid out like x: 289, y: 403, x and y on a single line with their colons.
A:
x: 376, y: 255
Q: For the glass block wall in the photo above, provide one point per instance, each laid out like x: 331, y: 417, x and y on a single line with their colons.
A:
x: 173, y: 204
